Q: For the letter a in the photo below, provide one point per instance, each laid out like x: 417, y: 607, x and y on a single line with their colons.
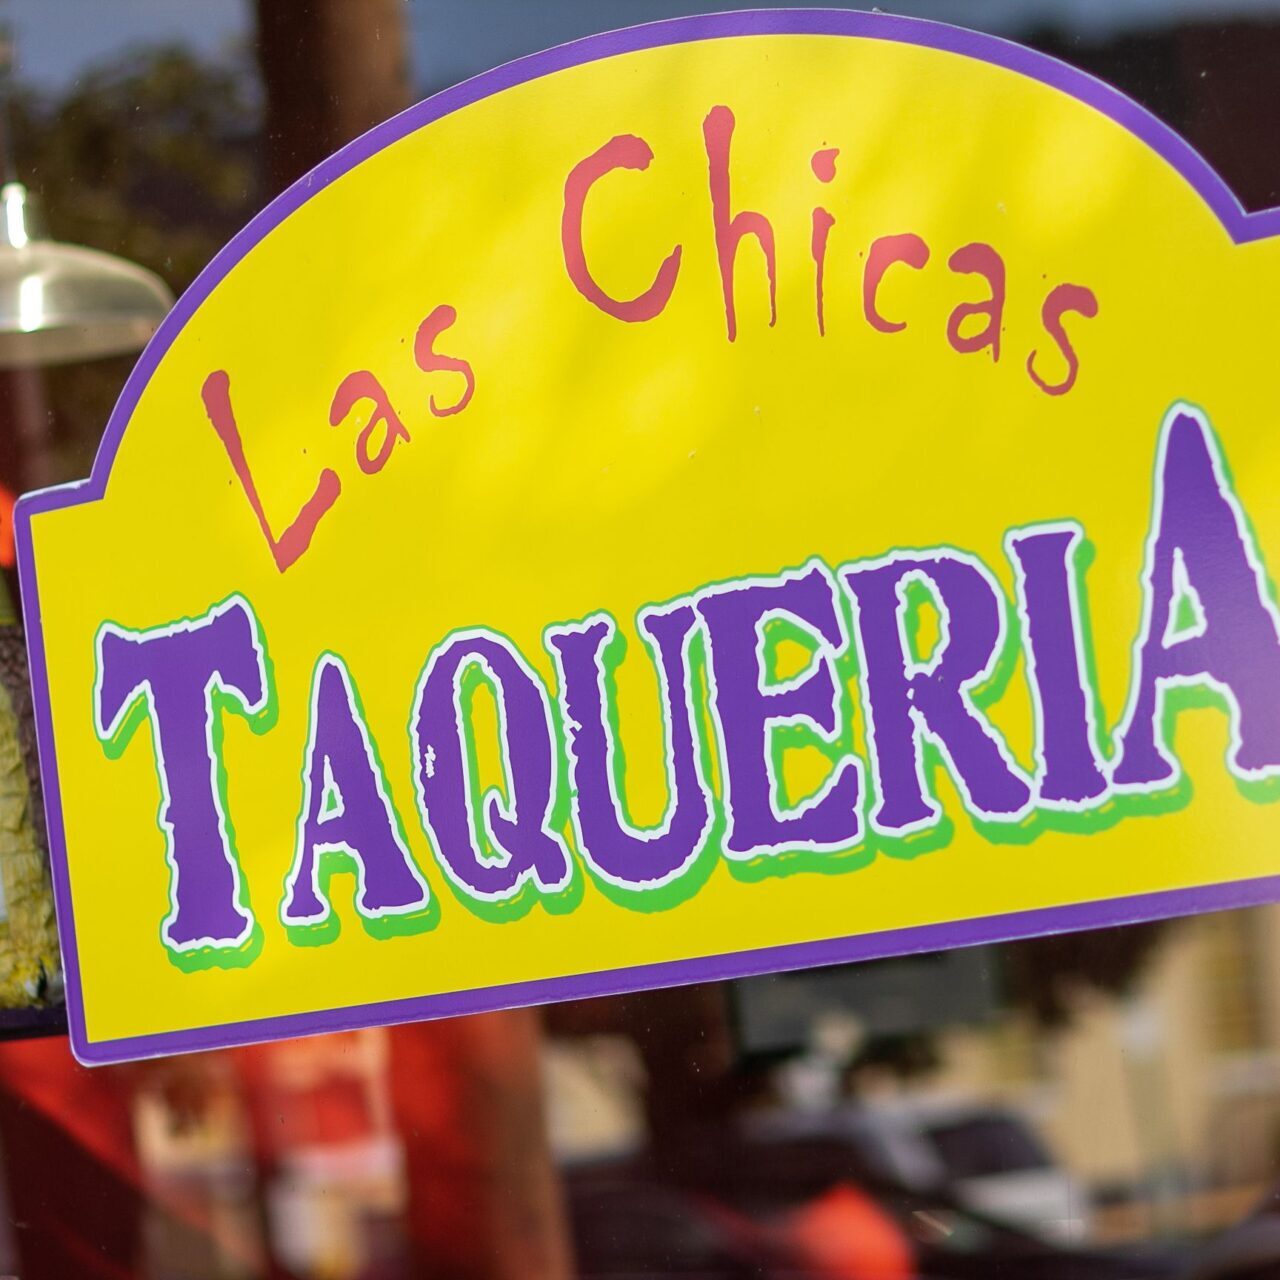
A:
x: 1201, y: 563
x: 346, y: 810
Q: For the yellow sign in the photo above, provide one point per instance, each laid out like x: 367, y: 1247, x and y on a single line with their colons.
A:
x: 739, y: 493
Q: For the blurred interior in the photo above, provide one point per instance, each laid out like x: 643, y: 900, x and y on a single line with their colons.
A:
x: 1096, y: 1105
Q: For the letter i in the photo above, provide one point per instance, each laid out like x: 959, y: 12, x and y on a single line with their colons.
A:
x: 824, y: 169
x: 1069, y: 771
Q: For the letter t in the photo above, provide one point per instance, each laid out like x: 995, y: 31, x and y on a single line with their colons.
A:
x: 182, y: 676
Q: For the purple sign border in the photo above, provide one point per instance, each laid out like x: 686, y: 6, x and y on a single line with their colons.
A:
x: 1240, y: 225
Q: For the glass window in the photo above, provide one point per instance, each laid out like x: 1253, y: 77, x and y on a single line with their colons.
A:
x: 1102, y: 1104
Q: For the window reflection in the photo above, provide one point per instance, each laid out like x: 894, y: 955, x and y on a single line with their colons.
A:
x: 1132, y: 1131
x: 1105, y: 1104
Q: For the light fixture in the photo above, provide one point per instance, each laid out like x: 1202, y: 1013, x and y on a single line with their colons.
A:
x: 62, y: 302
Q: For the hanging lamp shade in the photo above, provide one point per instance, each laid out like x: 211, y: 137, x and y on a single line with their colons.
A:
x: 62, y: 302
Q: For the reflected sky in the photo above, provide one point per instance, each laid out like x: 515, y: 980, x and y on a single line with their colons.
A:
x: 453, y: 39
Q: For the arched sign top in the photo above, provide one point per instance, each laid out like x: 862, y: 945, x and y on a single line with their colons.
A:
x: 742, y: 492
x: 1242, y: 225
